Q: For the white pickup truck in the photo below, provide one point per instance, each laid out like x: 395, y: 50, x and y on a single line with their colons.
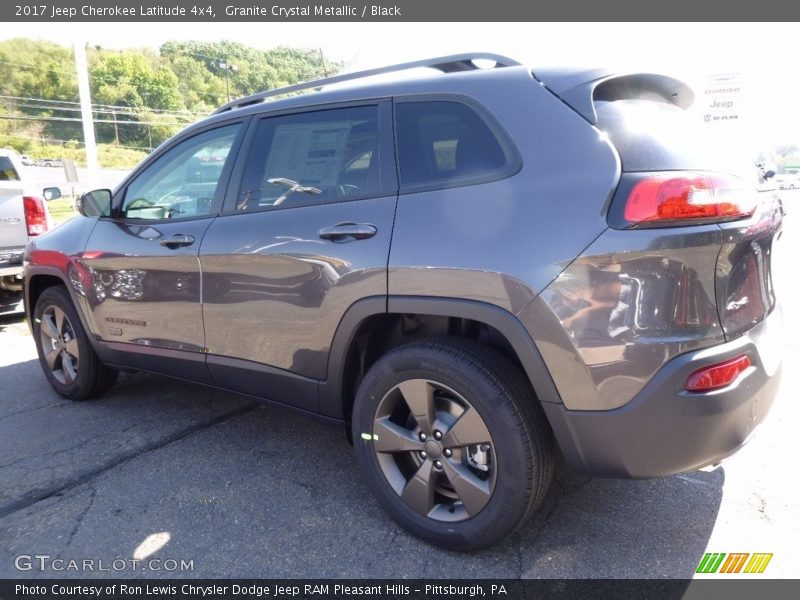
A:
x: 23, y: 215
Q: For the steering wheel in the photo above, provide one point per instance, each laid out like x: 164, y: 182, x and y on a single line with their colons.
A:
x: 178, y: 191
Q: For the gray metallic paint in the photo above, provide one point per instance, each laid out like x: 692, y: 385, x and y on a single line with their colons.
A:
x: 143, y: 292
x: 664, y: 429
x: 488, y: 242
x: 616, y: 315
x: 58, y: 254
x: 275, y: 292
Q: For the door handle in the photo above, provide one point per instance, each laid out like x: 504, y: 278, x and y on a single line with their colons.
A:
x: 346, y: 232
x: 177, y: 240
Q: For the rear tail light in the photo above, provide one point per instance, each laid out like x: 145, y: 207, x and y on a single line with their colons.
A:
x: 35, y: 215
x: 675, y: 198
x: 717, y: 376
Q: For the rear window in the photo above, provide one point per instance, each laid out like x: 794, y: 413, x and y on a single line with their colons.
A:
x: 7, y: 170
x: 446, y: 144
x: 653, y: 135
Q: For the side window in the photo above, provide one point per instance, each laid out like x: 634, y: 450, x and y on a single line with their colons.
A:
x: 445, y: 144
x: 312, y: 158
x: 183, y: 182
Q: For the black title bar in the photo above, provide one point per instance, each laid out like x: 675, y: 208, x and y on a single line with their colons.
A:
x: 394, y: 10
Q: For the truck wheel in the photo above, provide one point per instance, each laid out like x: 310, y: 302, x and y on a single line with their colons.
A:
x: 68, y: 360
x: 452, y: 442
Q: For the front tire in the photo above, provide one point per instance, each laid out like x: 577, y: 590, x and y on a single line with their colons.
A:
x: 452, y: 442
x: 68, y: 360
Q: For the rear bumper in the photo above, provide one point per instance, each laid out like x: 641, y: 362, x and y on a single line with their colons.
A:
x: 11, y: 262
x: 666, y: 430
x: 10, y: 302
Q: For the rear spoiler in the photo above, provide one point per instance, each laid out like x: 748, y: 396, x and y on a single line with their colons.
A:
x: 580, y: 89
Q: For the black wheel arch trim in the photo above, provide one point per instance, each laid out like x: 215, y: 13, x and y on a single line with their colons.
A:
x: 30, y: 273
x: 331, y: 400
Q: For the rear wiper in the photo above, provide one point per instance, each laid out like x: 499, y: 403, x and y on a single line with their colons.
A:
x: 293, y: 186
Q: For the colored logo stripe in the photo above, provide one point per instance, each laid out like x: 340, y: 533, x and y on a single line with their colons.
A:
x: 758, y: 563
x: 733, y: 564
x: 710, y: 562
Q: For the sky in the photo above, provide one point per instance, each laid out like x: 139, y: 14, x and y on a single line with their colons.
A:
x: 764, y: 55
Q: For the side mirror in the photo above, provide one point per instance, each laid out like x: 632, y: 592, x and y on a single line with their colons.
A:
x: 96, y: 203
x: 769, y: 174
x: 51, y: 193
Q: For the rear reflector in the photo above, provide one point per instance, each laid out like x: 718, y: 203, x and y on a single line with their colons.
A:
x: 717, y: 376
x: 664, y: 198
x: 35, y: 215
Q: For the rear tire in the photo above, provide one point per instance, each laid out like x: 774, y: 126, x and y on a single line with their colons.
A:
x: 69, y: 362
x: 452, y: 442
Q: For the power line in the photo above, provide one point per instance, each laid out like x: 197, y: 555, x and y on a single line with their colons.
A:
x: 112, y: 106
x: 78, y: 120
x: 102, y: 111
x: 58, y: 105
x: 189, y: 119
x: 52, y: 70
x: 41, y: 139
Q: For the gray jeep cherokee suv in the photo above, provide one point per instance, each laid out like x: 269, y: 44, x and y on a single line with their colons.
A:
x: 470, y: 271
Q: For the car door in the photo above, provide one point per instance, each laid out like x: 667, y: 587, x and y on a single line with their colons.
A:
x: 145, y: 274
x: 304, y: 235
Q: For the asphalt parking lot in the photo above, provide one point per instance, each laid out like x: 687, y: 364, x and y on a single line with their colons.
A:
x: 166, y: 470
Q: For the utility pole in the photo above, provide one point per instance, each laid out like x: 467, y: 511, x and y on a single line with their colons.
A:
x: 146, y: 97
x: 82, y: 70
x: 116, y: 129
x: 227, y: 67
x: 322, y: 58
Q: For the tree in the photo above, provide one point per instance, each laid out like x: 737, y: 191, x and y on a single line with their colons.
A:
x: 257, y: 69
x: 134, y: 80
x: 146, y: 95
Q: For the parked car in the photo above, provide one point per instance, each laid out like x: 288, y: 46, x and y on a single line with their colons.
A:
x: 49, y: 162
x: 788, y: 181
x: 23, y: 215
x: 470, y: 272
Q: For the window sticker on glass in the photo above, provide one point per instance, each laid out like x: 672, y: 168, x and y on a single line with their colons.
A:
x: 311, y: 154
x: 312, y: 158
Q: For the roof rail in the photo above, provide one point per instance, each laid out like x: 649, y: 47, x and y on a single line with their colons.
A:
x: 445, y: 64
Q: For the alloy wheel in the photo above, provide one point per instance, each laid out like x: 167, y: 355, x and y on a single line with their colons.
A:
x: 434, y: 450
x: 59, y: 345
